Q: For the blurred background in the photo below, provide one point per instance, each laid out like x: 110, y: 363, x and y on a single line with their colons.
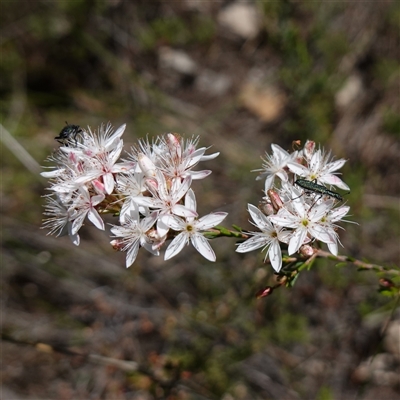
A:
x: 76, y: 324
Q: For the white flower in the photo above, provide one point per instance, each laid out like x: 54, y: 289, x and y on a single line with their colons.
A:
x: 268, y: 238
x: 320, y: 168
x: 328, y: 220
x: 133, y: 234
x: 166, y: 199
x: 305, y: 220
x: 84, y: 205
x: 274, y: 165
x: 191, y: 229
x: 59, y: 219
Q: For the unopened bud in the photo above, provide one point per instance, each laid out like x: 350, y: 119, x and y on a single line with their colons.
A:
x: 386, y: 283
x: 174, y: 145
x: 309, y: 148
x: 264, y: 292
x: 276, y: 201
x: 266, y: 208
x: 306, y: 250
x: 146, y: 165
x: 117, y: 244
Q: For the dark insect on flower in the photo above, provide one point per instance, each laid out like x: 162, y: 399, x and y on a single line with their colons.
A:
x: 312, y: 186
x: 68, y: 133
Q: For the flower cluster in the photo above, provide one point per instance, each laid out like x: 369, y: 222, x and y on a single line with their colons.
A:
x: 150, y: 191
x: 288, y: 214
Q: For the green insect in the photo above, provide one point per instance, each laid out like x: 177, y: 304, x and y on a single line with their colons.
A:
x: 312, y: 186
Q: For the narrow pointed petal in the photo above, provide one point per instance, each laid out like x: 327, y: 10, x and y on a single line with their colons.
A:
x: 184, y: 187
x: 258, y: 217
x: 279, y: 151
x: 338, y: 213
x: 197, y: 175
x: 183, y: 211
x: 254, y: 243
x: 190, y: 200
x: 334, y: 180
x: 95, y: 219
x: 76, y: 225
x: 297, y: 169
x: 132, y: 253
x: 333, y: 248
x: 297, y: 240
x: 109, y: 182
x: 335, y: 165
x: 321, y: 233
x: 275, y: 255
x: 210, y: 220
x: 176, y: 246
x: 173, y: 222
x: 200, y: 243
x: 209, y: 157
x: 269, y: 180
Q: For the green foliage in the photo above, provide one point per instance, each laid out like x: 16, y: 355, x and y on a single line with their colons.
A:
x: 175, y: 31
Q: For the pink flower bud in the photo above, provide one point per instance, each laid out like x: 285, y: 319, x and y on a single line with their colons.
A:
x: 276, y: 201
x: 174, y: 145
x: 146, y: 165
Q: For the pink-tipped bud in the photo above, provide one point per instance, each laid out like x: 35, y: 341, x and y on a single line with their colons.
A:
x: 386, y: 283
x: 174, y: 145
x: 264, y: 292
x: 276, y: 201
x: 306, y: 250
x: 117, y: 244
x: 152, y: 183
x: 146, y: 165
x: 266, y: 208
x: 99, y: 186
x: 309, y: 149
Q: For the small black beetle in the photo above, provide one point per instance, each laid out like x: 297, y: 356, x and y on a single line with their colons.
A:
x: 67, y: 133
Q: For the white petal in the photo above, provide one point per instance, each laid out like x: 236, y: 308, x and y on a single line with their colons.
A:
x: 196, y: 175
x: 200, y: 243
x: 269, y: 180
x: 259, y: 218
x: 322, y: 233
x: 275, y: 255
x: 335, y: 165
x: 209, y: 157
x: 162, y: 228
x: 297, y: 240
x: 97, y: 199
x: 176, y: 246
x: 184, y: 187
x: 75, y: 239
x: 338, y: 213
x: 132, y: 253
x: 190, y: 200
x: 149, y: 221
x: 282, y: 175
x: 282, y: 154
x: 95, y: 219
x: 297, y: 168
x: 109, y: 182
x: 54, y: 173
x: 76, y: 225
x: 182, y: 211
x: 334, y: 180
x: 254, y: 243
x: 210, y: 220
x: 174, y: 222
x: 333, y: 248
x: 284, y: 218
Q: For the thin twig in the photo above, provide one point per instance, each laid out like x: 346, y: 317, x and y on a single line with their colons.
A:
x: 358, y: 263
